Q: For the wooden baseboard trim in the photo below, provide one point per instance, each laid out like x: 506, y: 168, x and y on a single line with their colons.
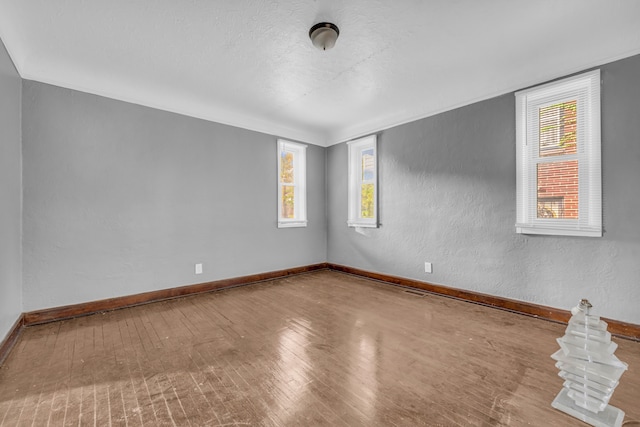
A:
x: 616, y: 327
x: 10, y: 340
x: 88, y: 308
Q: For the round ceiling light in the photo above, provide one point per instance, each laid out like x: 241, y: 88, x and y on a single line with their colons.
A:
x: 324, y: 35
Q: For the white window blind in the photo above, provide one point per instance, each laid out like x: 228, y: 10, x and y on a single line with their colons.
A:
x: 559, y: 188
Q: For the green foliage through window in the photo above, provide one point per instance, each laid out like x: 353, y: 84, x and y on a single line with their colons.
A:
x: 367, y: 201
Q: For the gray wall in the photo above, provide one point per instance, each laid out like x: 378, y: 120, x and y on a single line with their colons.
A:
x: 10, y: 194
x: 447, y: 195
x: 121, y: 199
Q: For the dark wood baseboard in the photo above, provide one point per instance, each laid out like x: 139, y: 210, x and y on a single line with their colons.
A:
x: 7, y: 344
x: 88, y: 308
x: 616, y: 327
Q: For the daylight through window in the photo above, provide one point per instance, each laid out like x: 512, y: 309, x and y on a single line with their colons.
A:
x: 363, y: 177
x: 558, y: 158
x: 292, y: 204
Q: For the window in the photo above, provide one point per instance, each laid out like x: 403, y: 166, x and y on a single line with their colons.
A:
x: 363, y: 183
x: 292, y: 191
x: 559, y: 189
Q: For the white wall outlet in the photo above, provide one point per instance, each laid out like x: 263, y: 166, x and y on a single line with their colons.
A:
x: 198, y: 268
x: 428, y: 268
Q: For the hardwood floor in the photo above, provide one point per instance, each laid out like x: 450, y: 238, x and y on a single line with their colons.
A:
x: 322, y: 348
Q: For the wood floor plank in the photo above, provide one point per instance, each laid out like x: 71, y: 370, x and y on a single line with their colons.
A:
x: 88, y: 414
x: 323, y: 348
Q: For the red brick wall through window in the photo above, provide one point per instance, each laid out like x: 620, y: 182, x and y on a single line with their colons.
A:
x: 559, y: 180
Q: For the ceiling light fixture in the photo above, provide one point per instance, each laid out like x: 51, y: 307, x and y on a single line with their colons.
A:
x: 324, y: 35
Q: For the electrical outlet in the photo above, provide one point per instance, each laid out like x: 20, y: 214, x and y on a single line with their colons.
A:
x: 428, y: 268
x: 198, y: 268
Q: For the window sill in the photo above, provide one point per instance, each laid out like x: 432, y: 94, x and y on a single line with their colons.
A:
x: 362, y: 224
x: 537, y: 229
x: 291, y: 224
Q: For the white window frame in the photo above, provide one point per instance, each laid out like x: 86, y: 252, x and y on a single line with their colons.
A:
x: 585, y: 88
x: 299, y: 152
x: 356, y: 148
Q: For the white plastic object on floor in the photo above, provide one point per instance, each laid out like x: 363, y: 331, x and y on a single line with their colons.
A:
x: 590, y: 370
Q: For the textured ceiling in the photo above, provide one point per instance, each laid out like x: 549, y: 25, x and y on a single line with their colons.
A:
x: 250, y: 63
